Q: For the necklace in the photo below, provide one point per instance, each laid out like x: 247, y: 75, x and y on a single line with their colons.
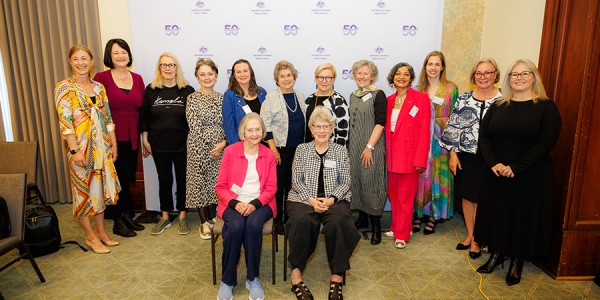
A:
x: 295, y: 103
x: 400, y: 99
x: 121, y: 79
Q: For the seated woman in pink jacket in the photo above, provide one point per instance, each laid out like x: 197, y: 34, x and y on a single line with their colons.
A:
x: 246, y: 190
x: 407, y: 136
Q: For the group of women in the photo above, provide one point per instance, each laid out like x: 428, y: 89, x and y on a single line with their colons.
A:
x: 247, y: 156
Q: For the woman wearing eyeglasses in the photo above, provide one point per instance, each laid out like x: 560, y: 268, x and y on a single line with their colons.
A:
x: 516, y: 137
x: 242, y: 97
x: 325, y: 75
x: 435, y: 196
x: 164, y: 130
x: 461, y: 136
x: 320, y: 195
x: 283, y: 113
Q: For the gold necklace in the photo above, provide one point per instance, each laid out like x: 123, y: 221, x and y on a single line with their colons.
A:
x: 121, y: 79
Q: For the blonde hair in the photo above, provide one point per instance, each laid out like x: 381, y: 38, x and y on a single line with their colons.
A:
x: 282, y: 65
x: 321, y: 113
x: 484, y: 60
x: 325, y: 66
x: 78, y: 47
x: 371, y: 65
x: 158, y: 79
x: 423, y: 80
x: 538, y: 92
x: 248, y: 117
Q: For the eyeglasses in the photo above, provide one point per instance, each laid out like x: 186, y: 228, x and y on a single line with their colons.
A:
x: 486, y: 74
x: 321, y: 127
x: 324, y: 78
x: 167, y: 66
x: 524, y: 74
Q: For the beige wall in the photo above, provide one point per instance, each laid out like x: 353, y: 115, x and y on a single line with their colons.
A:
x: 512, y: 29
x: 502, y: 29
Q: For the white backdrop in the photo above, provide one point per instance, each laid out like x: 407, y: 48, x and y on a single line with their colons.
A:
x: 305, y: 32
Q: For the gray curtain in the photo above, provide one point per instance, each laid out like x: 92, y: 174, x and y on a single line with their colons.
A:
x: 35, y: 37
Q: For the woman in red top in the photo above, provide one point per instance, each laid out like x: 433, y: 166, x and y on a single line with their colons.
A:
x: 407, y: 135
x: 125, y: 91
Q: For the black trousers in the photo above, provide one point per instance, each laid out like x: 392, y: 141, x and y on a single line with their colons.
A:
x: 126, y: 165
x: 284, y: 179
x: 164, y: 162
x: 303, y: 228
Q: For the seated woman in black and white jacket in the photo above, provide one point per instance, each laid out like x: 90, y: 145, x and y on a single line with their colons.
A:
x: 320, y: 194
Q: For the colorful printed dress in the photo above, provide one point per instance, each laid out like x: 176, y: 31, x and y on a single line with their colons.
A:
x: 97, y: 184
x: 435, y: 196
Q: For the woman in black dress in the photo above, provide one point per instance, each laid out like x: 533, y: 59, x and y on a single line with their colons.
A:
x: 516, y: 137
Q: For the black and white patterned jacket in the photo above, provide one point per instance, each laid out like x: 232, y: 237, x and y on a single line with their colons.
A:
x: 339, y: 107
x: 305, y: 173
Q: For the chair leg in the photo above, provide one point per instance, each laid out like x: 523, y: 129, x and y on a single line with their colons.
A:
x: 33, y: 263
x: 213, y: 240
x: 285, y: 245
x: 273, y: 249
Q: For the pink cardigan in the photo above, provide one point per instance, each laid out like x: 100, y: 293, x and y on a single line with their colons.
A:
x: 408, y: 146
x: 233, y: 171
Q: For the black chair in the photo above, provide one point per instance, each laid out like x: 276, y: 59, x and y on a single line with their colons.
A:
x: 12, y: 188
x: 218, y: 229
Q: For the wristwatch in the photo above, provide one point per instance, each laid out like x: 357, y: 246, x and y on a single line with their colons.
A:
x: 73, y: 151
x: 370, y: 146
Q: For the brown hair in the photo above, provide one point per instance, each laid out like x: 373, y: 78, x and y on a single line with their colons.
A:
x: 78, y: 47
x: 253, y: 89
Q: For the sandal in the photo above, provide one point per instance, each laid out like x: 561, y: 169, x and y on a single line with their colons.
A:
x: 416, y: 224
x: 301, y: 291
x: 335, y: 291
x: 430, y: 228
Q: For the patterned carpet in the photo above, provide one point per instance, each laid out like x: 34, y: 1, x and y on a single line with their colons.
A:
x: 170, y: 266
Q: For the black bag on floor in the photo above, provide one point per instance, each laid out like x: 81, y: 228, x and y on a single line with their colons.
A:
x: 42, y: 235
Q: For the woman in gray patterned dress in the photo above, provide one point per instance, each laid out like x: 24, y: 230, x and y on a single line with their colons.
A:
x: 368, y: 107
x: 205, y: 144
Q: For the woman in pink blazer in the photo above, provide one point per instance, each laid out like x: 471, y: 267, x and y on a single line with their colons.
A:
x: 407, y: 147
x: 246, y: 190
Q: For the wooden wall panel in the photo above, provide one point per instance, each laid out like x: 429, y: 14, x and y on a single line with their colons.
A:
x: 569, y: 64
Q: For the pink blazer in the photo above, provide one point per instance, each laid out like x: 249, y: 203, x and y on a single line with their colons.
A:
x: 233, y: 171
x: 408, y: 146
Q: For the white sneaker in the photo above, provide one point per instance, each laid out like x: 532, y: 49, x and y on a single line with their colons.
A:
x: 388, y: 234
x: 225, y: 292
x: 204, y: 230
x: 256, y: 291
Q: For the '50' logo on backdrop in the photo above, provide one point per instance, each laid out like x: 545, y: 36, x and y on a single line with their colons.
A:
x: 409, y: 30
x: 347, y: 74
x: 290, y: 29
x: 231, y: 29
x: 350, y: 29
x: 172, y: 29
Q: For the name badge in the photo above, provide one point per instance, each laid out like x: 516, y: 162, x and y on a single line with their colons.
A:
x: 327, y: 104
x: 96, y: 90
x: 367, y: 97
x: 246, y: 109
x: 329, y: 163
x: 413, y: 111
x: 438, y: 100
x: 236, y: 189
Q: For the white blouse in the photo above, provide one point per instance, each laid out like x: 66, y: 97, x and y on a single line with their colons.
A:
x: 251, y: 187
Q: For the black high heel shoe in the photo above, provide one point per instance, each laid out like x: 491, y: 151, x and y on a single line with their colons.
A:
x: 475, y: 255
x: 495, y: 260
x: 461, y: 246
x: 514, y: 271
x: 430, y: 228
x: 376, y: 233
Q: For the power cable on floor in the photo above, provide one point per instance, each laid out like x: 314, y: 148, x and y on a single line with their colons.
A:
x: 469, y: 261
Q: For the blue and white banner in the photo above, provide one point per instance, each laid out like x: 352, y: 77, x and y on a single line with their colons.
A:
x: 307, y: 33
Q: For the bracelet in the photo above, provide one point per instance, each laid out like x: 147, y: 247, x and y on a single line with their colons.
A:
x: 369, y: 146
